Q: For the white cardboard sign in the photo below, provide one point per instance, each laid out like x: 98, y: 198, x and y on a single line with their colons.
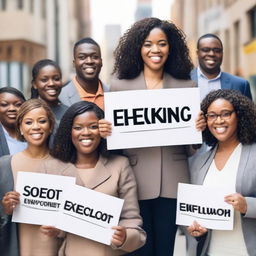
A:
x: 40, y: 197
x: 147, y: 118
x: 204, y: 204
x: 89, y: 214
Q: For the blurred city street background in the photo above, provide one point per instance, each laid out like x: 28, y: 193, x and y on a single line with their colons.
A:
x: 36, y: 29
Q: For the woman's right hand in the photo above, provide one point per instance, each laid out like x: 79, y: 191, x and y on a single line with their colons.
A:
x: 196, y: 230
x: 9, y: 201
x: 105, y: 128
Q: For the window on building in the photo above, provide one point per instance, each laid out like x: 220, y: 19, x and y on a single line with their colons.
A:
x: 43, y: 9
x: 236, y: 47
x: 3, y: 5
x: 31, y: 6
x: 252, y: 20
x: 20, y: 4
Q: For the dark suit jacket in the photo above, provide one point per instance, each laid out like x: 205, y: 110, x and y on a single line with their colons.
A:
x: 4, y: 149
x: 229, y: 81
x: 157, y: 169
x: 245, y: 185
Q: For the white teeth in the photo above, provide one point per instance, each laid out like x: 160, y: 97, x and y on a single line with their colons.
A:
x: 86, y: 141
x: 210, y: 61
x: 36, y: 135
x: 220, y: 129
x: 89, y: 70
x: 11, y: 116
x: 155, y: 58
x: 52, y: 92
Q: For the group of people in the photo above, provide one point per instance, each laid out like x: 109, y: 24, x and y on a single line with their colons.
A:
x: 62, y: 131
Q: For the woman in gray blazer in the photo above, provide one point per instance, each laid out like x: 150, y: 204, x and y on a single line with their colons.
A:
x: 153, y: 54
x: 231, y: 131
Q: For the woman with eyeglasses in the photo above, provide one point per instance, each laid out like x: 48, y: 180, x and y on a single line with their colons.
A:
x: 231, y: 132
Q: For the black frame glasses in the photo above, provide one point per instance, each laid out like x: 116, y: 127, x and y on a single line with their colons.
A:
x: 224, y: 115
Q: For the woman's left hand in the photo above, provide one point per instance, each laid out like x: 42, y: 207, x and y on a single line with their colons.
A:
x: 119, y: 236
x: 50, y: 231
x: 105, y: 128
x: 200, y: 122
x: 237, y: 201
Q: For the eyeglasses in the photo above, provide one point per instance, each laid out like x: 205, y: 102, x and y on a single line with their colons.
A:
x: 207, y: 50
x: 225, y: 115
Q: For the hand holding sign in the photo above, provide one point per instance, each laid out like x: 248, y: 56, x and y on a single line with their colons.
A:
x: 119, y: 236
x: 196, y: 230
x: 10, y: 200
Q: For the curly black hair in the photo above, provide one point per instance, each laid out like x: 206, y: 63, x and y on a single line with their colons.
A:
x: 245, y: 112
x: 63, y: 148
x: 128, y: 60
x: 35, y: 71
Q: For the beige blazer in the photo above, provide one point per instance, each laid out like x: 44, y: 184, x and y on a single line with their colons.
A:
x: 157, y: 169
x: 112, y: 176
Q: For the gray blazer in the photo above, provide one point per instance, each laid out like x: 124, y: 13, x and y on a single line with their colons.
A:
x: 157, y: 169
x: 69, y: 94
x: 9, y: 245
x: 4, y: 149
x: 229, y: 81
x: 245, y: 185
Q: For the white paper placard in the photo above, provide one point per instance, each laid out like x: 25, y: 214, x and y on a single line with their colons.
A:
x: 40, y: 197
x: 147, y: 118
x: 204, y: 204
x: 89, y: 214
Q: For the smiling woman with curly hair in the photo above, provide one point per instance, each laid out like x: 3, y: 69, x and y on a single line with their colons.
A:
x: 153, y: 54
x: 128, y: 60
x: 231, y: 131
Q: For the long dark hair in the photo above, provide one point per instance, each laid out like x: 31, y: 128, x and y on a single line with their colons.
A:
x: 63, y: 148
x: 128, y: 60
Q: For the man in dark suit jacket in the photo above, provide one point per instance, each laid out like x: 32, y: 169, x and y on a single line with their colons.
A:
x: 208, y: 75
x: 86, y: 84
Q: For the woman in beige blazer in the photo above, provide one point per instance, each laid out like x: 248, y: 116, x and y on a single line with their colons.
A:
x: 153, y: 54
x: 78, y: 141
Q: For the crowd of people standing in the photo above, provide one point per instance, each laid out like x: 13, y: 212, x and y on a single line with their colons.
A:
x: 61, y: 130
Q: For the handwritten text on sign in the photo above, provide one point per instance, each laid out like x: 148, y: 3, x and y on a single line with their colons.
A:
x: 205, y: 205
x: 146, y: 118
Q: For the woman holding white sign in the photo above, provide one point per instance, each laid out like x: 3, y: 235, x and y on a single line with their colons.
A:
x: 78, y: 141
x: 35, y: 122
x: 151, y: 55
x: 231, y: 132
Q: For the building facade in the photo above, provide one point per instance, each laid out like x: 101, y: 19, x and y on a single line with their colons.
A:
x: 234, y: 21
x: 35, y: 29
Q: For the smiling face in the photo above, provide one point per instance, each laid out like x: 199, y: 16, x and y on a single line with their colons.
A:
x: 224, y: 130
x: 48, y: 83
x: 155, y: 50
x: 9, y: 106
x: 35, y: 127
x: 85, y: 134
x: 87, y: 61
x: 210, y: 54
